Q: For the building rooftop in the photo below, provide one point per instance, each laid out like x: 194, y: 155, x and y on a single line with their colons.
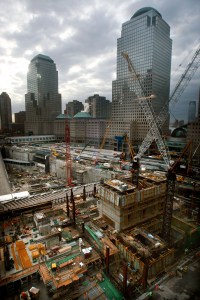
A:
x: 43, y: 57
x: 82, y: 115
x: 62, y: 116
x: 143, y: 11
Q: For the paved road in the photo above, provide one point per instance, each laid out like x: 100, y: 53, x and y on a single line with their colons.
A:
x: 4, y: 182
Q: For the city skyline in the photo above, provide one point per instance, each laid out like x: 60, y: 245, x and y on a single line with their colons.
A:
x: 86, y: 55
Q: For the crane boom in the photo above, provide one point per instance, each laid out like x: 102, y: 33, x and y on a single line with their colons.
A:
x: 148, y: 110
x: 175, y: 96
x: 104, y: 140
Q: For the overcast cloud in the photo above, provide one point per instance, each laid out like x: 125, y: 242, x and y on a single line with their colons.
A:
x: 81, y: 37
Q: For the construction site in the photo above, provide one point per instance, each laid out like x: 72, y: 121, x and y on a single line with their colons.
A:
x: 102, y: 238
x: 87, y: 223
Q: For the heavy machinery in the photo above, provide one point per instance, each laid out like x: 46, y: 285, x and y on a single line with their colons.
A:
x: 103, y: 141
x: 147, y: 109
x: 175, y: 96
x: 154, y: 134
x: 168, y: 205
x: 134, y: 161
x: 78, y: 156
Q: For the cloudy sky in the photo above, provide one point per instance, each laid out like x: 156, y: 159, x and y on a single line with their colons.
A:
x: 81, y: 37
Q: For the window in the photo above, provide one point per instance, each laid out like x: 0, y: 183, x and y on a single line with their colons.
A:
x: 148, y: 21
x: 154, y: 21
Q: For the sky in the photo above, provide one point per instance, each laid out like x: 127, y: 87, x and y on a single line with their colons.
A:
x: 81, y: 37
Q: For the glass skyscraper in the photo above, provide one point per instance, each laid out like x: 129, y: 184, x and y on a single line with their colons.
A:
x: 42, y: 101
x: 146, y: 39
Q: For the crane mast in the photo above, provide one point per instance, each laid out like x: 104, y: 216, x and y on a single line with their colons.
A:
x: 68, y: 154
x: 175, y: 96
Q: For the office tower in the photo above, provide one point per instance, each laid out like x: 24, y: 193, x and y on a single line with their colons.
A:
x: 5, y: 113
x: 99, y: 107
x: 20, y: 118
x: 74, y: 107
x: 146, y: 39
x: 42, y: 101
x: 192, y: 111
x: 193, y: 134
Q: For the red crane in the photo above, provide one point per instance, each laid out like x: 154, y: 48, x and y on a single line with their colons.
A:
x: 68, y: 155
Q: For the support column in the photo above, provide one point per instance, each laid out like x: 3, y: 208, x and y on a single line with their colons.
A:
x: 107, y: 259
x: 125, y: 278
x: 95, y: 190
x: 83, y: 227
x: 84, y: 194
x: 67, y: 204
x: 73, y: 208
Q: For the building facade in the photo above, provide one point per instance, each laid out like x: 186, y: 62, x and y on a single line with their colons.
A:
x: 99, y: 106
x: 146, y: 39
x: 193, y: 134
x: 18, y: 126
x: 192, y: 111
x: 5, y: 113
x: 74, y: 107
x: 85, y: 129
x: 42, y: 101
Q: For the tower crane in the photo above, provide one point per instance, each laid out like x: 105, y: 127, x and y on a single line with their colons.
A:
x: 147, y: 109
x: 175, y: 96
x: 103, y: 141
x: 154, y: 133
x: 68, y: 154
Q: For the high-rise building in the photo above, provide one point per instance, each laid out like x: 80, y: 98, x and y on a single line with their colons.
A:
x: 192, y: 111
x: 193, y: 134
x: 18, y: 125
x: 74, y: 107
x: 146, y: 39
x: 99, y: 107
x: 5, y: 113
x: 42, y: 101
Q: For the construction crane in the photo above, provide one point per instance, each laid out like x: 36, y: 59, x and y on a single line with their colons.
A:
x: 154, y: 133
x: 134, y: 161
x: 78, y: 157
x: 168, y: 205
x: 103, y: 141
x: 175, y: 96
x: 147, y: 109
x: 68, y: 154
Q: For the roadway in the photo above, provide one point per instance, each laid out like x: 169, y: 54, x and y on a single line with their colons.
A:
x: 4, y: 181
